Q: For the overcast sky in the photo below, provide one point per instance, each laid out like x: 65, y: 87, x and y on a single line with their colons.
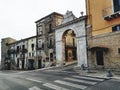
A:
x: 17, y: 17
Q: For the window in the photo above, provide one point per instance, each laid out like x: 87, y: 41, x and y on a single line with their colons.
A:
x: 50, y: 41
x: 39, y: 30
x: 39, y: 43
x: 116, y: 4
x: 29, y: 54
x: 50, y: 28
x: 51, y: 56
x: 32, y: 46
x: 119, y: 50
x: 116, y: 28
x: 18, y: 49
x: 32, y: 54
x: 23, y: 46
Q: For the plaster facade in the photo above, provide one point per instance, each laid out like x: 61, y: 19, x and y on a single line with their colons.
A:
x: 45, y: 40
x: 103, y: 42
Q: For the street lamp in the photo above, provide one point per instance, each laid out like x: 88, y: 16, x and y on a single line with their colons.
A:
x: 81, y: 13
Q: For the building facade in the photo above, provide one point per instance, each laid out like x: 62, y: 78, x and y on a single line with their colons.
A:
x: 45, y: 31
x: 21, y: 49
x: 104, y: 24
x: 32, y: 62
x: 59, y: 39
x: 5, y: 57
x: 19, y: 54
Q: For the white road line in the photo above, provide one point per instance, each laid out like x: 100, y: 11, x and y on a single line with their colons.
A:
x: 34, y: 88
x: 70, y: 84
x: 33, y: 80
x: 55, y: 87
x: 89, y: 78
x: 82, y: 81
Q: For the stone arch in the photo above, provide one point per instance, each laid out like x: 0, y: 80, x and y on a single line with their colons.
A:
x: 77, y: 25
x: 79, y: 30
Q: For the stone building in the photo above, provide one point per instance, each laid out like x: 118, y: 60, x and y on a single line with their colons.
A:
x: 59, y: 39
x: 5, y: 58
x: 21, y: 49
x: 19, y: 54
x: 32, y: 62
x: 103, y: 41
x: 45, y: 30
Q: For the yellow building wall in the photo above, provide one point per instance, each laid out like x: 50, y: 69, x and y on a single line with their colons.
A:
x: 94, y: 10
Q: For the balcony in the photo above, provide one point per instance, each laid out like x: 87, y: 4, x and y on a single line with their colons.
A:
x: 50, y: 46
x: 70, y: 47
x: 22, y: 56
x: 111, y: 13
x: 31, y: 57
x: 38, y: 47
x: 50, y: 31
x: 11, y: 51
x: 24, y: 50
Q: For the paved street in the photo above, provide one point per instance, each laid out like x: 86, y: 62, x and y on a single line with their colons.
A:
x: 54, y: 80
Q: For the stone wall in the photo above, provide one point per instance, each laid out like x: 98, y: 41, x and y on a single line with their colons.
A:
x: 4, y: 48
x: 112, y: 56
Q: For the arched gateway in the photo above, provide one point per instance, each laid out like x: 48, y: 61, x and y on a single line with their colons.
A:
x: 71, y: 33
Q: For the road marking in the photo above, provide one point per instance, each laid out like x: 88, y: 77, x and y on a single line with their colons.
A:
x: 82, y: 81
x: 70, y: 84
x: 34, y: 88
x: 55, y: 87
x: 89, y: 78
x: 33, y: 80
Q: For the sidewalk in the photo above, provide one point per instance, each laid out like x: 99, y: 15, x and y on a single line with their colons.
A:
x: 101, y: 73
x: 97, y: 73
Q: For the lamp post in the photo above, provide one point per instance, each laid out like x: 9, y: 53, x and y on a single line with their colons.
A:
x: 81, y: 13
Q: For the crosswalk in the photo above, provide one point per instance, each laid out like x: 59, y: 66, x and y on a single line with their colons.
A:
x: 55, y: 87
x: 74, y: 82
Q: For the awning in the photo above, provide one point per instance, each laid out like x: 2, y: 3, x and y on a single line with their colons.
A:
x: 96, y: 48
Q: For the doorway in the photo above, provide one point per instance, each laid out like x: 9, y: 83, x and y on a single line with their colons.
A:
x: 23, y: 62
x: 70, y: 45
x: 31, y: 64
x: 99, y: 57
x: 39, y: 63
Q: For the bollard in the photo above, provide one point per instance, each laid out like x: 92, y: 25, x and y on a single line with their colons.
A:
x: 87, y: 70
x: 82, y: 67
x: 109, y: 73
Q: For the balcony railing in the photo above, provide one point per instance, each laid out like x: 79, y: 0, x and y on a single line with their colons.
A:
x: 40, y: 47
x: 31, y: 57
x: 24, y: 50
x: 50, y: 46
x: 11, y: 51
x: 70, y: 46
x: 111, y: 12
x: 50, y: 31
